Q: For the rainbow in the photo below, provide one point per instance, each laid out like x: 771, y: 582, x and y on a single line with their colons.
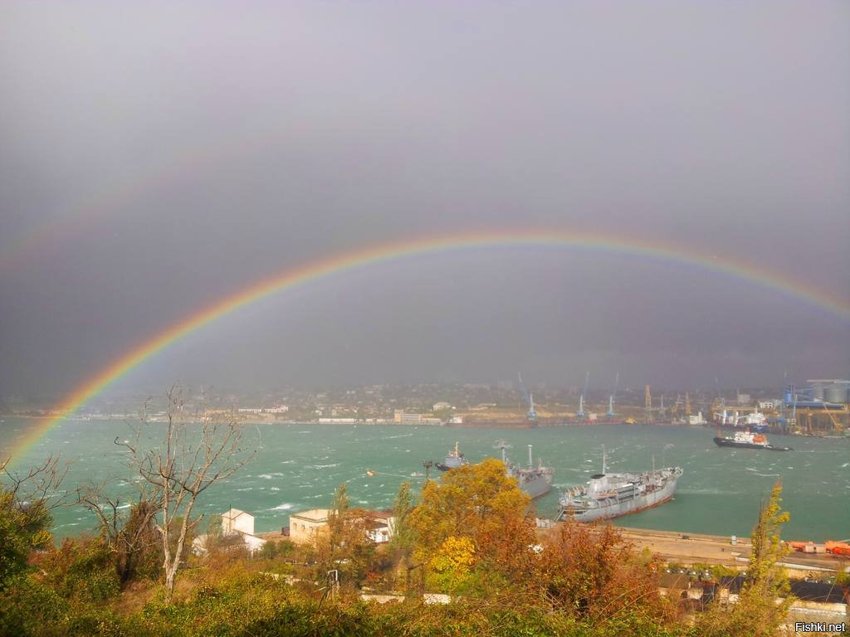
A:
x: 384, y: 252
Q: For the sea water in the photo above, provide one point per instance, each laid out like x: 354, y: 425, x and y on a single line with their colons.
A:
x: 299, y: 466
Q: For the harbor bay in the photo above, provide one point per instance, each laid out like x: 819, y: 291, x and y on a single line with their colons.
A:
x: 298, y: 467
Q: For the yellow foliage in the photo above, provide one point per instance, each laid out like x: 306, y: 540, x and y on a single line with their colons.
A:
x: 456, y: 554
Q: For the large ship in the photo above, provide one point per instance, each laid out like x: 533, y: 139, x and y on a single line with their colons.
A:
x: 535, y: 481
x: 453, y: 459
x: 611, y: 495
x: 747, y: 440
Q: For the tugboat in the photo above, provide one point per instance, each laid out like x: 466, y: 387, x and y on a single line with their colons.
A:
x: 453, y: 460
x: 611, y: 495
x: 747, y: 440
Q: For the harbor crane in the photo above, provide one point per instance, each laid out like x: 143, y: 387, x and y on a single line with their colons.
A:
x: 610, y: 413
x: 581, y: 413
x: 529, y: 399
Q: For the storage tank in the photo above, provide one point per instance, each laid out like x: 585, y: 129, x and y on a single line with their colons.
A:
x: 835, y: 393
x: 818, y: 392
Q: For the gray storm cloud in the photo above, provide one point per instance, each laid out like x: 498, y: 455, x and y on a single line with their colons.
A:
x: 156, y: 157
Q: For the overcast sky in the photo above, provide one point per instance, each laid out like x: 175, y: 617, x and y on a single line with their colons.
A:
x: 157, y: 156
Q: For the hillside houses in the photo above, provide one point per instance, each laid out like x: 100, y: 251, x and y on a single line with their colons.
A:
x: 307, y: 526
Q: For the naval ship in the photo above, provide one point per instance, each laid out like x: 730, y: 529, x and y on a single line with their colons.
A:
x: 453, y: 459
x: 535, y: 481
x: 610, y: 495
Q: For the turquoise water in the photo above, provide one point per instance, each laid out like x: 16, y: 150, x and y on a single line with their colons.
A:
x: 299, y: 466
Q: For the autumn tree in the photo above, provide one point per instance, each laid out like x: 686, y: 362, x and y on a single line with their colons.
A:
x: 480, y: 504
x: 591, y: 573
x: 345, y: 548
x: 196, y: 450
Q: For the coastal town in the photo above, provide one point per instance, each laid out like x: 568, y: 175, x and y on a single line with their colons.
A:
x: 813, y: 407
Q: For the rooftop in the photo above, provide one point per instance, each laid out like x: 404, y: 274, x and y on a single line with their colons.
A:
x: 313, y: 515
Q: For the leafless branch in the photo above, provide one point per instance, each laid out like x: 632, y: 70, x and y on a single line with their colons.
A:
x: 40, y: 483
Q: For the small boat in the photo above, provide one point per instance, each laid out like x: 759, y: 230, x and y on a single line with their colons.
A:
x: 747, y: 440
x: 453, y: 460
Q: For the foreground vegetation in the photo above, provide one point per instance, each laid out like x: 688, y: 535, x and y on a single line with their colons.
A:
x: 470, y: 536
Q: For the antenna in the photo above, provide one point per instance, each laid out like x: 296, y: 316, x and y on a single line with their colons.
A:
x: 501, y: 444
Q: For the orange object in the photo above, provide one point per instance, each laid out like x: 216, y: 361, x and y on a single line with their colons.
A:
x: 838, y: 548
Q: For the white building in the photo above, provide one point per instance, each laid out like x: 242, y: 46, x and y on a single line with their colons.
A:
x: 233, y: 522
x: 236, y: 521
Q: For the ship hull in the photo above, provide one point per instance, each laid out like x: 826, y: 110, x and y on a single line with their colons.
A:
x: 626, y: 508
x: 614, y: 508
x: 537, y: 487
x: 726, y: 442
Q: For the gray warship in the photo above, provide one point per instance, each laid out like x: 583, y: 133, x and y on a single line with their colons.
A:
x: 611, y: 495
x: 453, y: 460
x: 535, y: 481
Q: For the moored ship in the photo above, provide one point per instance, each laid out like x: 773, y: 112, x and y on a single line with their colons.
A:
x: 611, y: 495
x: 535, y: 481
x: 453, y: 459
x: 747, y: 440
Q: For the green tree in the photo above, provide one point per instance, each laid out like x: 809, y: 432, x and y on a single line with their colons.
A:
x: 25, y: 515
x: 402, y: 508
x: 759, y: 611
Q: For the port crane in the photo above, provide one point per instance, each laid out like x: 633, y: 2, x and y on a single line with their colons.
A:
x: 581, y: 413
x: 610, y: 413
x: 529, y: 399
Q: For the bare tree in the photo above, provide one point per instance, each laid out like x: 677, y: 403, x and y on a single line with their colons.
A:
x: 37, y: 484
x: 129, y: 533
x: 196, y: 451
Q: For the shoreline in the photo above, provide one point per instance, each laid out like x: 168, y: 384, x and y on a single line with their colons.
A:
x: 496, y: 423
x: 701, y: 548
